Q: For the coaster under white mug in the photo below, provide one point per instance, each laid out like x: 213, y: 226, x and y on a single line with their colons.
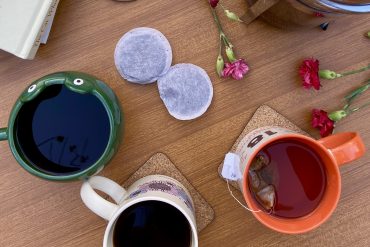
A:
x: 264, y: 116
x: 159, y: 163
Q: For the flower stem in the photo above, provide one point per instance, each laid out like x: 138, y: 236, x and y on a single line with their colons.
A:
x: 359, y: 108
x: 355, y: 93
x: 220, y: 46
x: 215, y: 17
x: 354, y: 71
x: 220, y: 30
x: 226, y: 41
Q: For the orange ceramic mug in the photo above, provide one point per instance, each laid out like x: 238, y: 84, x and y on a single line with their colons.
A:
x: 334, y: 151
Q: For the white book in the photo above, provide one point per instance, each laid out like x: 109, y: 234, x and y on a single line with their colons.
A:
x: 22, y: 23
x: 49, y: 22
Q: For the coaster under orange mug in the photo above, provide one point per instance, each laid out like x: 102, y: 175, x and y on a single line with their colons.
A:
x: 332, y: 153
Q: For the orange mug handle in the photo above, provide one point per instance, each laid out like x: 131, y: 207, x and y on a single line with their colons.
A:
x: 345, y: 147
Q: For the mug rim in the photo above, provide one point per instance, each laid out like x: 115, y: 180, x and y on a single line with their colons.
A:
x: 253, y: 205
x: 94, y: 168
x: 122, y: 207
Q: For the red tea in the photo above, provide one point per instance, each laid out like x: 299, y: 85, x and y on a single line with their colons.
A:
x: 290, y: 178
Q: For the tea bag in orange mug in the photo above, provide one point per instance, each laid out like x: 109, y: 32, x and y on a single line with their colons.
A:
x: 262, y: 190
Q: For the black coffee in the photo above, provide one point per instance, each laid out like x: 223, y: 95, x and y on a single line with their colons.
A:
x: 152, y: 224
x: 62, y: 132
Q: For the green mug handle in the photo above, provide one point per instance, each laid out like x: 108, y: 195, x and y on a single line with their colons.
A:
x: 3, y: 134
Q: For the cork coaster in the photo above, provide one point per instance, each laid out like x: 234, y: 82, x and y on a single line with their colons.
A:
x: 160, y: 164
x: 264, y: 116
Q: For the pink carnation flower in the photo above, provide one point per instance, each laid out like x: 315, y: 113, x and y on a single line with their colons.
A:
x: 236, y: 69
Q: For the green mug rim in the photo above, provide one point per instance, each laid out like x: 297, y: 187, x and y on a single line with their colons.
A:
x: 92, y: 169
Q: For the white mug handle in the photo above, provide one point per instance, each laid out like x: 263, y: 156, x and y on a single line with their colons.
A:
x: 98, y: 204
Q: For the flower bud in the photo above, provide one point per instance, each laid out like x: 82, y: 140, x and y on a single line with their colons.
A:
x: 368, y: 34
x: 230, y: 54
x: 328, y: 74
x: 232, y: 16
x: 220, y: 64
x: 337, y: 115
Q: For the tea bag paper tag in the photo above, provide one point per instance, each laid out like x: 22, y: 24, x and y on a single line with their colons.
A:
x: 231, y: 170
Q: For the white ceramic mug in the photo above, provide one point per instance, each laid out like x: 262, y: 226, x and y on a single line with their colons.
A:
x: 150, y: 188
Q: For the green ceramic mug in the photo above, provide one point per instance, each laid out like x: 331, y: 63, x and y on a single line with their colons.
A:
x: 65, y: 126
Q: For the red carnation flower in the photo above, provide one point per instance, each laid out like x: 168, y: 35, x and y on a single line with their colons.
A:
x: 236, y: 69
x: 322, y: 122
x: 213, y: 3
x: 309, y: 72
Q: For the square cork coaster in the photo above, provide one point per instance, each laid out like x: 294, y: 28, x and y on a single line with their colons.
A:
x: 160, y: 164
x: 264, y: 116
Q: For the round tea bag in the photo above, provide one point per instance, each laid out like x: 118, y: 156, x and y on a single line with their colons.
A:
x: 143, y: 55
x: 186, y: 91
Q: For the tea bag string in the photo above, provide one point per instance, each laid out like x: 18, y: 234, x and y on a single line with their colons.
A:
x: 241, y: 204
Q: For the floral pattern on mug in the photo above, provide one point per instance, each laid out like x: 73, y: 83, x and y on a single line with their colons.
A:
x: 167, y: 187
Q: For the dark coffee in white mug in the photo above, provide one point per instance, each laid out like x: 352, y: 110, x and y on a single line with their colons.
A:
x: 152, y: 223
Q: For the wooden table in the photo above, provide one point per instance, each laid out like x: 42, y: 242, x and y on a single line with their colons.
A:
x: 34, y: 212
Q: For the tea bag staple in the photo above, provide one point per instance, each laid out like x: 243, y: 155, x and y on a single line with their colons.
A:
x: 143, y: 55
x: 186, y: 91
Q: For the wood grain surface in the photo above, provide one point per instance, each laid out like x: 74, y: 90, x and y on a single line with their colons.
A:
x: 39, y: 213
